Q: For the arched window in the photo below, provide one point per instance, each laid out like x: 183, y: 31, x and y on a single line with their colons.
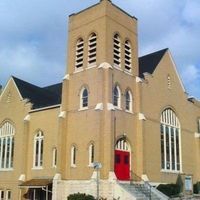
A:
x: 38, y: 150
x: 170, y: 141
x: 122, y: 145
x: 92, y: 49
x: 73, y: 156
x: 129, y: 101
x: 54, y: 160
x: 7, y: 132
x: 116, y: 97
x: 117, y: 50
x: 84, y: 98
x: 79, y: 54
x: 91, y: 154
x: 127, y: 56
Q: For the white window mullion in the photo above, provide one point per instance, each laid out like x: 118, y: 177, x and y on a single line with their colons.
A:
x: 175, y: 149
x: 165, y: 150
x: 34, y: 153
x: 1, y: 152
x: 39, y: 152
x: 180, y: 151
x: 170, y: 148
x: 10, y: 152
x: 5, y: 152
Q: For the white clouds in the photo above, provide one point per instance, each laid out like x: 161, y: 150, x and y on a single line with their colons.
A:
x: 34, y: 33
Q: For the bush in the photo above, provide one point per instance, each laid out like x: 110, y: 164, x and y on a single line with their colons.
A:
x: 79, y: 196
x: 196, y: 188
x: 169, y: 189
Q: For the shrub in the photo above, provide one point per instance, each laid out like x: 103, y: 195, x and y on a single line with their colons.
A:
x: 169, y: 189
x: 80, y: 196
x: 196, y: 188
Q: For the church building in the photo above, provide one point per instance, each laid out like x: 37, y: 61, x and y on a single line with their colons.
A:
x: 114, y: 122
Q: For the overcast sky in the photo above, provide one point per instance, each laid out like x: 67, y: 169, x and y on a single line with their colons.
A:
x: 33, y: 36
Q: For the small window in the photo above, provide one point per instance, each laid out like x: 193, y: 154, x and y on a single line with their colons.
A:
x: 117, y: 50
x: 54, y: 161
x: 8, y: 195
x: 92, y: 49
x: 127, y: 56
x: 84, y: 98
x: 117, y: 158
x: 73, y: 156
x: 2, y: 195
x: 116, y: 97
x: 169, y: 82
x: 198, y: 125
x: 79, y: 54
x: 38, y: 150
x: 128, y: 101
x: 91, y: 154
x: 126, y: 159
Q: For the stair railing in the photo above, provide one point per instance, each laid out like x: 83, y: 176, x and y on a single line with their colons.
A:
x: 135, y: 178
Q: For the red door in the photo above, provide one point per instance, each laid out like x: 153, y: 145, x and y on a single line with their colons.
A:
x: 122, y: 165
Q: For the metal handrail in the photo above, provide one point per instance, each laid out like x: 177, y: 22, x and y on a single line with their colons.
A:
x: 136, y: 178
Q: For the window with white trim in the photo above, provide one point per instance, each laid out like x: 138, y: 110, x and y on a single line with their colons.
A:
x: 170, y: 141
x: 79, y: 54
x: 129, y: 101
x: 73, y: 156
x: 8, y: 194
x: 7, y: 132
x: 38, y: 150
x: 117, y: 97
x: 2, y: 194
x: 84, y: 98
x: 198, y: 125
x: 117, y: 50
x: 127, y: 54
x: 54, y: 160
x: 92, y: 49
x: 91, y: 154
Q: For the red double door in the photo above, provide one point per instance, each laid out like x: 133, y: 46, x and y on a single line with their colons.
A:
x: 122, y: 165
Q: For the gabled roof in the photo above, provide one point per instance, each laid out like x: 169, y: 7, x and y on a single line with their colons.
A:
x: 39, y: 97
x: 148, y: 63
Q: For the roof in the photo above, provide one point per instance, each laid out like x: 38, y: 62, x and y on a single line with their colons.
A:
x: 36, y: 183
x: 148, y: 63
x: 39, y: 97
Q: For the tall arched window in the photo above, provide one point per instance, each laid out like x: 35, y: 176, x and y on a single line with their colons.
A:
x: 73, y: 156
x: 79, y: 54
x: 7, y: 132
x: 117, y: 50
x: 170, y: 141
x: 91, y: 154
x: 129, y: 101
x: 127, y: 56
x: 117, y: 97
x: 84, y: 98
x: 92, y: 49
x: 38, y: 150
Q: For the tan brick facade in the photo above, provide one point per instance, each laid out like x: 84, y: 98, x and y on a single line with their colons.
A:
x: 66, y: 125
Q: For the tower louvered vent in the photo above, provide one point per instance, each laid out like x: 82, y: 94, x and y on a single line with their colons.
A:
x: 79, y: 53
x: 92, y: 49
x: 117, y: 50
x: 127, y: 56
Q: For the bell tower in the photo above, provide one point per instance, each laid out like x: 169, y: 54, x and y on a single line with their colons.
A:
x: 102, y: 56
